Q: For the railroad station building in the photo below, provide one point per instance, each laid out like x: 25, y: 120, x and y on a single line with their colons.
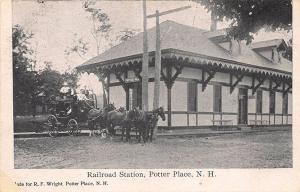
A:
x: 207, y: 79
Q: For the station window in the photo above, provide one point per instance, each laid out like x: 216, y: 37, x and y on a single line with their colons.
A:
x: 217, y: 98
x: 192, y: 96
x: 272, y: 102
x: 285, y: 103
x: 259, y: 101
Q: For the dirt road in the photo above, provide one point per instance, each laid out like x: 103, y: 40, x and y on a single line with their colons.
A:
x: 255, y: 150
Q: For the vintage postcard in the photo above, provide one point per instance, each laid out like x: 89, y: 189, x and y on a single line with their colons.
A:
x: 145, y: 95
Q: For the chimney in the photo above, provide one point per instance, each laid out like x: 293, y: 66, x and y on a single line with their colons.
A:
x: 213, y: 24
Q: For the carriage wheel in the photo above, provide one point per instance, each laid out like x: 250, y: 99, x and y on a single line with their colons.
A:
x: 72, y: 127
x: 53, y: 128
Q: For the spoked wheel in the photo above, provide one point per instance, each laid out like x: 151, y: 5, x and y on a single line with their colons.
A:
x: 72, y: 127
x: 53, y: 127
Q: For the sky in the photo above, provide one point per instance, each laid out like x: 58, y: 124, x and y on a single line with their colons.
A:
x: 54, y: 24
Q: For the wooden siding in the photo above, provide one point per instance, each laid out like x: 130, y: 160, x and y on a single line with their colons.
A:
x: 205, y: 99
x: 179, y: 96
x: 204, y: 114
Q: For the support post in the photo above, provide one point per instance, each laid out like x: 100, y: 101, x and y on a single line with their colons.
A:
x: 158, y: 59
x: 145, y: 61
x: 169, y: 80
x: 126, y: 91
x: 157, y: 65
x: 102, y: 76
x: 105, y: 102
x: 107, y: 88
x: 169, y: 86
x: 157, y: 70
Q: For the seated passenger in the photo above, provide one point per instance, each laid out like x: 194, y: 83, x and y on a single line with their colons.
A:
x: 81, y: 96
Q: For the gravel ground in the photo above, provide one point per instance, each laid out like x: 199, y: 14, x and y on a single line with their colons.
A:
x: 254, y: 150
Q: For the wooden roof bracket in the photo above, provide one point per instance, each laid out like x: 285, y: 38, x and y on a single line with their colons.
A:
x: 137, y: 72
x: 118, y: 75
x: 178, y: 68
x: 102, y: 75
x: 260, y: 80
x: 239, y: 78
x: 277, y: 84
x: 211, y: 73
x: 168, y: 78
x: 286, y: 90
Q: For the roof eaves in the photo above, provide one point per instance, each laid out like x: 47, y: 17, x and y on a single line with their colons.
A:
x: 228, y: 61
x: 180, y: 52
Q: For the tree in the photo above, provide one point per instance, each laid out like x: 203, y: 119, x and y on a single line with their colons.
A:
x: 71, y: 77
x: 79, y: 46
x: 51, y: 81
x: 101, y: 23
x: 25, y: 80
x: 249, y: 16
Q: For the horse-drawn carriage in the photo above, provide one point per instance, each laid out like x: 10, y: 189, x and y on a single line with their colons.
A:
x: 68, y: 115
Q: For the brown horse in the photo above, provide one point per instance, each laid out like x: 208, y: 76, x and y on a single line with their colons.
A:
x: 153, y: 119
x: 146, y: 121
x: 118, y: 118
x: 97, y: 116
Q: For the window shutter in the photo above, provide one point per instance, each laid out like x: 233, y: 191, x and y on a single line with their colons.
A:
x: 217, y: 98
x: 272, y: 102
x: 192, y: 96
x: 285, y: 102
x: 259, y: 101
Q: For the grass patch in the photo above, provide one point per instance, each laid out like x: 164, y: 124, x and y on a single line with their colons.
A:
x: 29, y: 123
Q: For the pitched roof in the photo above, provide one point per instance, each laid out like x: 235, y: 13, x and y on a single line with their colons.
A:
x: 188, y: 39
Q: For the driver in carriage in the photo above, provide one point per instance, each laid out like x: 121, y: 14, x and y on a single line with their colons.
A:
x: 66, y: 96
x: 81, y: 95
x: 66, y: 92
x: 85, y: 96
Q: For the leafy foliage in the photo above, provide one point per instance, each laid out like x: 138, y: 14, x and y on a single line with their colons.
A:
x: 71, y: 77
x: 33, y: 87
x: 101, y: 22
x: 25, y: 80
x: 51, y: 81
x: 79, y: 46
x: 249, y: 16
